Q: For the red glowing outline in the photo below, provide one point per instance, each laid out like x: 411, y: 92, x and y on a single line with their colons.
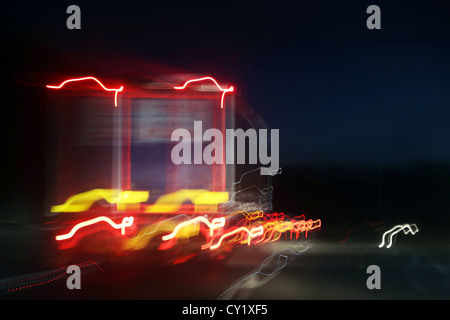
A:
x: 126, y: 222
x: 89, y: 78
x: 224, y: 91
x: 371, y: 225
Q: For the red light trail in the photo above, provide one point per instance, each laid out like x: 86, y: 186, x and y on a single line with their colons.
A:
x: 89, y: 78
x: 42, y: 279
x: 224, y: 90
x: 126, y: 222
x: 376, y: 226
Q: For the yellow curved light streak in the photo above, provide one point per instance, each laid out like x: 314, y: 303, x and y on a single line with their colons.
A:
x: 172, y: 202
x: 83, y: 201
x: 141, y: 240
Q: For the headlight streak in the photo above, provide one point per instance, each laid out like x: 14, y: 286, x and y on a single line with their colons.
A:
x: 89, y: 78
x: 126, y: 222
x: 278, y: 268
x: 406, y: 228
x: 224, y: 90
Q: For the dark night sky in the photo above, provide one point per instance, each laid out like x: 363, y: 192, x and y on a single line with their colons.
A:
x: 339, y: 93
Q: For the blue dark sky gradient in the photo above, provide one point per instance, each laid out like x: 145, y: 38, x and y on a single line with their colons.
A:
x: 339, y: 93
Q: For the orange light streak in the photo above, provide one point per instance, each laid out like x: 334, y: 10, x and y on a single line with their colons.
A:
x: 305, y: 226
x: 224, y: 90
x: 126, y: 222
x: 254, y: 232
x: 89, y: 78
